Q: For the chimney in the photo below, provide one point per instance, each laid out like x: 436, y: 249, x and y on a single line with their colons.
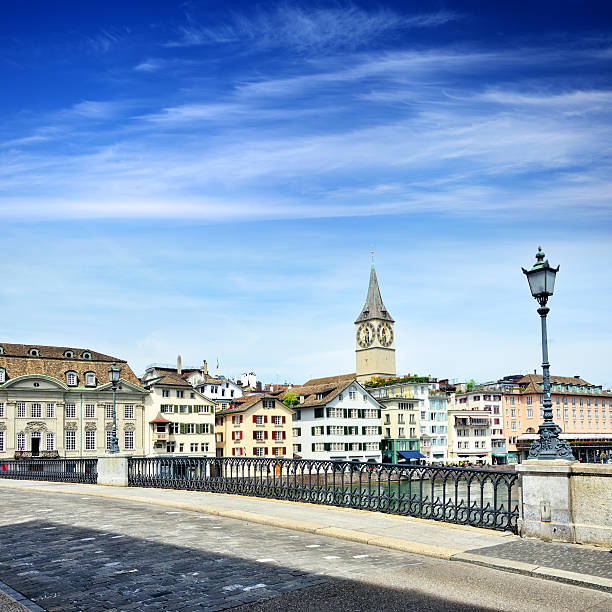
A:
x: 577, y: 376
x: 535, y: 371
x: 205, y: 368
x: 179, y: 366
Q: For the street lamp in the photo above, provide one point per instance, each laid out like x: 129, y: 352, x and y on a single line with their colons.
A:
x: 541, y: 280
x: 114, y: 373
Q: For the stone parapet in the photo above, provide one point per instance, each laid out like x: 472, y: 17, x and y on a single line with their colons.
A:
x: 566, y: 501
x: 113, y: 470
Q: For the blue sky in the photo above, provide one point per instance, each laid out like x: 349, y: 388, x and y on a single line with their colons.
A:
x: 209, y: 178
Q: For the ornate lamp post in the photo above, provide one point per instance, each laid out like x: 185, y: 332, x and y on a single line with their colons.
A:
x: 114, y: 374
x: 541, y: 280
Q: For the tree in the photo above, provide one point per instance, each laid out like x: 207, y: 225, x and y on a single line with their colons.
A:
x: 470, y: 384
x: 290, y: 399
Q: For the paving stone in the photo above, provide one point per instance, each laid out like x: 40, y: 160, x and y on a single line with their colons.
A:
x: 180, y: 561
x: 568, y: 557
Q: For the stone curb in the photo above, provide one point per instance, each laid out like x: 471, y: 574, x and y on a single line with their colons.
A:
x: 408, y: 546
x: 20, y: 599
x: 528, y: 569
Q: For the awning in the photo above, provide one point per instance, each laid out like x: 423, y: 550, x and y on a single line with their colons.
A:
x: 411, y: 455
x: 500, y: 454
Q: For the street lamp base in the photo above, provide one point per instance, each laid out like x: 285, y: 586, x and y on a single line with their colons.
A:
x: 549, y: 446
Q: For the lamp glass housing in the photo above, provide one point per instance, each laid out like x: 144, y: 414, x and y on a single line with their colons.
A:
x: 114, y: 373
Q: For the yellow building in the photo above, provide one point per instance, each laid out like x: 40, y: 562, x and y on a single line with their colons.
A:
x: 255, y: 426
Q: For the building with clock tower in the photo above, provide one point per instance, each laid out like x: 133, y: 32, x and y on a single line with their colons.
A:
x: 375, y: 351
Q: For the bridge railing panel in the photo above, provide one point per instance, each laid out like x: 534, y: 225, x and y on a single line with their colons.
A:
x: 54, y: 470
x: 477, y: 497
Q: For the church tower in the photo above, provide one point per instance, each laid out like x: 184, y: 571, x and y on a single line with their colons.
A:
x: 374, y: 351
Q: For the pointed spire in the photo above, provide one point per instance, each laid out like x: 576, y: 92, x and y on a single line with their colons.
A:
x: 374, y: 307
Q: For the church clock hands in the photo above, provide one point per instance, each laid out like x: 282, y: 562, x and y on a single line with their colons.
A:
x: 365, y: 335
x: 385, y: 334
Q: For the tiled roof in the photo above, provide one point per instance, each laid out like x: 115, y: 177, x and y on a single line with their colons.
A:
x: 532, y: 383
x: 240, y: 404
x: 168, y: 378
x: 327, y: 392
x: 329, y: 379
x: 52, y: 362
x: 160, y: 419
x: 374, y: 307
x: 54, y: 352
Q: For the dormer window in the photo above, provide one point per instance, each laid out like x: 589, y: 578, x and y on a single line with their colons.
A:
x: 34, y: 352
x: 90, y: 379
x: 71, y: 379
x: 1, y: 350
x: 86, y: 355
x: 68, y: 354
x: 2, y: 375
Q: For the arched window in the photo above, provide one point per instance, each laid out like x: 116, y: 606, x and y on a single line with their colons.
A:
x: 2, y: 375
x: 90, y: 379
x: 71, y: 379
x: 68, y: 354
x: 34, y: 352
x: 86, y: 355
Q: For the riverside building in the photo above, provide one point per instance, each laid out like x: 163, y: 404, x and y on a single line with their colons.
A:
x: 476, y: 427
x: 582, y: 410
x: 254, y: 426
x: 336, y: 419
x: 403, y: 401
x: 58, y: 402
x: 180, y: 419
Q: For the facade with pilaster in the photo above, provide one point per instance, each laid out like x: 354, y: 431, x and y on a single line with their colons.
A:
x: 58, y: 402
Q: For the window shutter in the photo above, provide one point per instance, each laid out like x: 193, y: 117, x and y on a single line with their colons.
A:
x: 312, y: 433
x: 284, y: 435
x: 328, y: 412
x: 378, y: 414
x: 363, y: 431
x: 233, y: 435
x: 254, y: 435
x: 361, y: 446
x: 183, y: 428
x: 326, y: 446
x: 360, y: 413
x: 345, y: 413
x: 284, y: 450
x: 313, y: 446
x: 265, y: 435
x: 380, y: 446
x: 265, y: 418
x: 266, y: 450
x: 379, y: 430
x: 346, y: 431
x: 176, y: 409
x: 347, y: 446
x: 233, y: 451
x: 328, y: 429
x: 284, y: 420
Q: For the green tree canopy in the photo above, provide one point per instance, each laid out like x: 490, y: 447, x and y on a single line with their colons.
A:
x: 290, y: 399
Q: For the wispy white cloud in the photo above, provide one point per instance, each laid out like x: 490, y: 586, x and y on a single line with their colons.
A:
x: 106, y: 38
x: 309, y: 29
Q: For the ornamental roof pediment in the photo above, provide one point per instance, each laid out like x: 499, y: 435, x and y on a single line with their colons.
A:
x: 38, y: 381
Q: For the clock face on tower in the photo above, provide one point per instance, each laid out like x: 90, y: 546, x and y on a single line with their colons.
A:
x: 365, y: 335
x: 385, y: 334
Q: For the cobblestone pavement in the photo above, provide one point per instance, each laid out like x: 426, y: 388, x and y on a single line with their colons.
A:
x: 582, y: 560
x: 74, y: 552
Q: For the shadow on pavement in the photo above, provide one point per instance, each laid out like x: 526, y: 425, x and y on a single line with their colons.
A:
x: 63, y: 568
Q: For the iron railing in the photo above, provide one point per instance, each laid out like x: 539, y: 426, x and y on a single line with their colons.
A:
x: 483, y: 498
x: 56, y: 470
